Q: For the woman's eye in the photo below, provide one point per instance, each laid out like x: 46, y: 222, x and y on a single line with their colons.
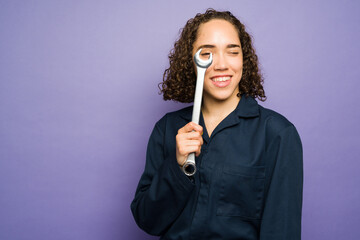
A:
x: 205, y: 54
x: 234, y: 53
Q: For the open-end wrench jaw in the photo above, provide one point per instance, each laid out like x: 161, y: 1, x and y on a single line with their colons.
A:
x: 200, y: 62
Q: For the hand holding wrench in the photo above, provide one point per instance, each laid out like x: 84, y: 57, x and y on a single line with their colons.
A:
x: 189, y: 167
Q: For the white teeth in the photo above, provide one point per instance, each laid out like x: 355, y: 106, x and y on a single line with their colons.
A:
x: 221, y: 79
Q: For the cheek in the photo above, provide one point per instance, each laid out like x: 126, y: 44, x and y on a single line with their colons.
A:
x: 238, y: 67
x: 207, y: 73
x: 238, y: 70
x: 241, y: 70
x: 237, y: 64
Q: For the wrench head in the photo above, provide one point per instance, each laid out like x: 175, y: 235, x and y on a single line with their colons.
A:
x: 200, y: 62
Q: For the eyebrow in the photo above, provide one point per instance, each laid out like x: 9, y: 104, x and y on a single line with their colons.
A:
x: 213, y: 46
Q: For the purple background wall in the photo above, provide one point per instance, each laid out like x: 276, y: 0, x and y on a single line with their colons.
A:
x: 79, y: 98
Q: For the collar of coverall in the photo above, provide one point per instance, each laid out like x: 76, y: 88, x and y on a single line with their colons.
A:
x: 247, y: 107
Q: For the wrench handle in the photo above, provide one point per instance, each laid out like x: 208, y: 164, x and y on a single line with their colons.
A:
x: 198, y: 94
x: 189, y: 168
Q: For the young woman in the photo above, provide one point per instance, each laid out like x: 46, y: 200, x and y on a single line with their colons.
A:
x: 248, y: 183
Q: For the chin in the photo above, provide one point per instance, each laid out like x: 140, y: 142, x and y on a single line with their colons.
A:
x: 221, y: 97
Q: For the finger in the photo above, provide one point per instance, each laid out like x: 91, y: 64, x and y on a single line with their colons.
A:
x: 196, y: 136
x: 197, y: 153
x: 191, y: 126
x: 184, y: 146
x: 192, y: 143
x: 192, y: 135
x: 186, y: 150
x: 197, y: 127
x: 180, y: 138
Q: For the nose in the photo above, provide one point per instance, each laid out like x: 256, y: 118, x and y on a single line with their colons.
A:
x: 219, y: 61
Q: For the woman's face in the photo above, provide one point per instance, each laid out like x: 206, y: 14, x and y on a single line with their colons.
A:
x: 222, y: 78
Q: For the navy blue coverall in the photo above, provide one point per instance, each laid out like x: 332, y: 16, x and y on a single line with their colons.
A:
x: 248, y: 184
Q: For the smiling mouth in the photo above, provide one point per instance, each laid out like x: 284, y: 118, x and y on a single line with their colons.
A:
x: 221, y: 79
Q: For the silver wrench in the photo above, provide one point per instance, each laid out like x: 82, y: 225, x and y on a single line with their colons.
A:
x: 189, y: 168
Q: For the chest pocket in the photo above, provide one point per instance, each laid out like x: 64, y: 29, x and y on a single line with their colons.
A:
x: 242, y: 192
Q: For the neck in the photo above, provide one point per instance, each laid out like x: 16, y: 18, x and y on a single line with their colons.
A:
x: 212, y: 107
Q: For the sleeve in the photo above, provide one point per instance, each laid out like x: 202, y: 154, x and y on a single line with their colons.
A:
x: 283, y: 203
x: 163, y: 189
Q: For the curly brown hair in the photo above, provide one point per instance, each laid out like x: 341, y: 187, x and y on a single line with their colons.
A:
x: 179, y: 79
